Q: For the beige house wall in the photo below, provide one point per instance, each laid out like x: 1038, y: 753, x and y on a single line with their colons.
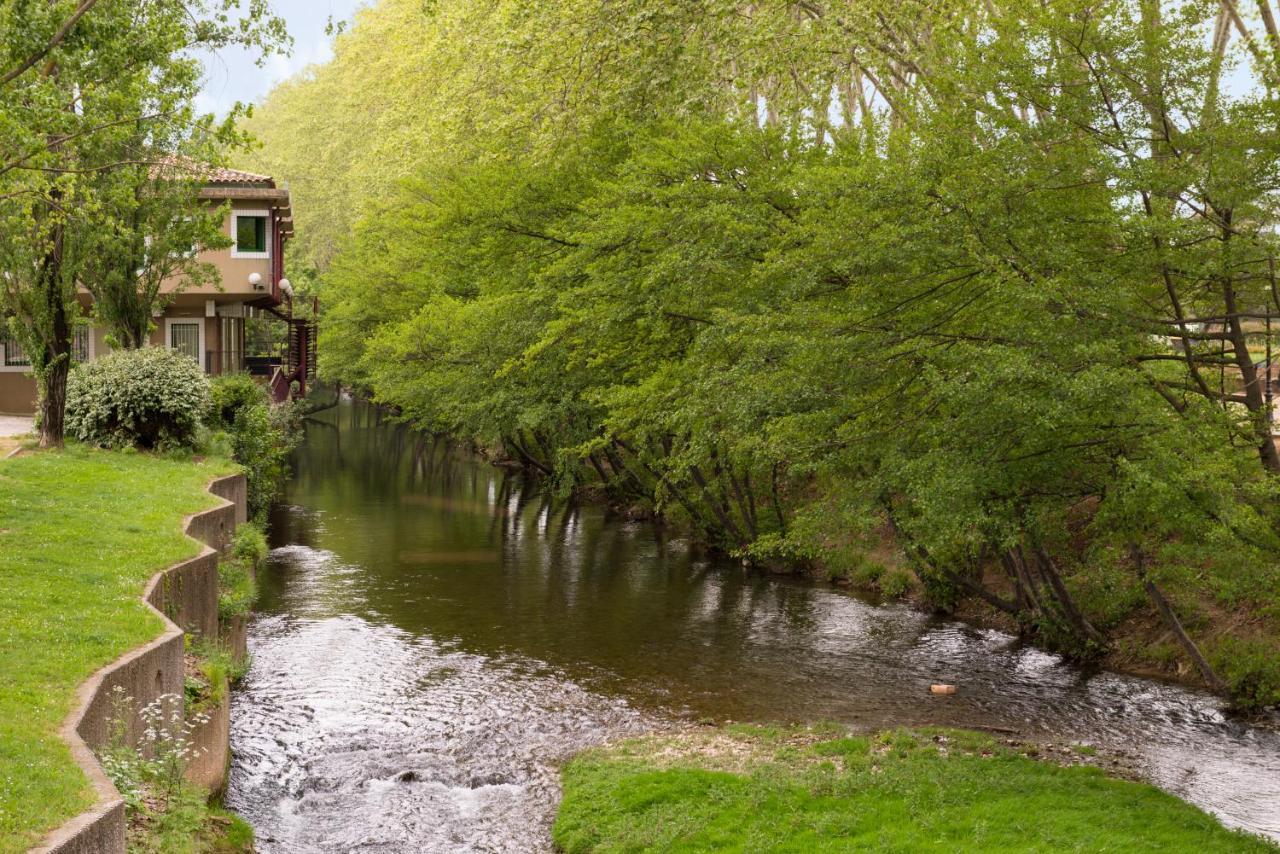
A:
x: 234, y: 272
x: 17, y: 394
x: 18, y: 389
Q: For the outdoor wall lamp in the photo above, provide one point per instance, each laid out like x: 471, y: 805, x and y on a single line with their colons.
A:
x: 255, y: 279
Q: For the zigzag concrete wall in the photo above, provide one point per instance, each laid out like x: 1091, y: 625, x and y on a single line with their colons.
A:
x: 187, y: 592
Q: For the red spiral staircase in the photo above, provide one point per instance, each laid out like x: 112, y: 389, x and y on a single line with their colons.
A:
x: 298, y: 363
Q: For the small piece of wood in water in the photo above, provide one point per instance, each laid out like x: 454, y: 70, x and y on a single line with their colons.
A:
x: 942, y: 689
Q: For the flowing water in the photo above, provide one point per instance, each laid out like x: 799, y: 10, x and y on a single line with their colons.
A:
x: 433, y: 639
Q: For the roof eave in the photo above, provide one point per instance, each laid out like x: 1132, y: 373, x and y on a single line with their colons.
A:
x: 255, y: 193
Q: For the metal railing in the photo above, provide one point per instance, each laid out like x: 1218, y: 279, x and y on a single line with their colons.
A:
x: 262, y: 366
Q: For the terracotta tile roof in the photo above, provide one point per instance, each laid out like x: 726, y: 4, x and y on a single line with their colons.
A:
x: 222, y: 175
x: 211, y: 174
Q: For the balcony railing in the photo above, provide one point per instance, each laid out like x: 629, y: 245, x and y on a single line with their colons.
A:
x: 262, y: 366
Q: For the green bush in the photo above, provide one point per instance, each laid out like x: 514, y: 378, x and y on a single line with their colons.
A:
x: 261, y: 439
x: 895, y: 583
x: 249, y: 544
x: 148, y: 398
x: 237, y: 590
x: 214, y: 443
x: 230, y: 393
x: 260, y: 435
x: 867, y: 572
x: 1251, y: 670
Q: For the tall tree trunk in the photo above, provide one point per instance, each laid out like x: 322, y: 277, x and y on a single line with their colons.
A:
x: 1074, y: 615
x: 720, y: 511
x: 776, y: 499
x: 55, y: 362
x: 1254, y: 390
x: 53, y: 404
x: 136, y: 334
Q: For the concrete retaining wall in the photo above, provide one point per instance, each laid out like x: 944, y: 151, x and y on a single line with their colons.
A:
x: 184, y: 592
x: 188, y: 591
x: 235, y: 490
x: 212, y: 742
x: 235, y: 637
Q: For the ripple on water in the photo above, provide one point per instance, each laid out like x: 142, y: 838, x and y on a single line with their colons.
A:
x: 351, y: 736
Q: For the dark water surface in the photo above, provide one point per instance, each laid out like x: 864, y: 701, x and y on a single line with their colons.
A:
x: 434, y: 639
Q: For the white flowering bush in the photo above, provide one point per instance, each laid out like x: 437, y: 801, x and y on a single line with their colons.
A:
x: 166, y: 813
x: 152, y: 768
x: 148, y: 398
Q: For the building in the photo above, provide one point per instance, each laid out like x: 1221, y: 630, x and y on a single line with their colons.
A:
x: 208, y: 323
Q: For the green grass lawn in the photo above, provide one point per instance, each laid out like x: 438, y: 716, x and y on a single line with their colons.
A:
x: 81, y: 532
x: 813, y: 790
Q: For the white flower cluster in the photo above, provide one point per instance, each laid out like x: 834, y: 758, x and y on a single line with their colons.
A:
x: 163, y: 750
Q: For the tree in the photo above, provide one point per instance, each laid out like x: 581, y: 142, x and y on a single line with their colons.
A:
x: 152, y: 229
x: 980, y: 278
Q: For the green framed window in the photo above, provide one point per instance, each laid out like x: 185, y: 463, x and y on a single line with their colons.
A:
x: 251, y: 232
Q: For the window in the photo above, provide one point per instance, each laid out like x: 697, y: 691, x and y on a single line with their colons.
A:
x: 250, y: 230
x: 251, y: 233
x: 13, y: 355
x: 80, y: 347
x: 187, y: 337
x: 232, y: 353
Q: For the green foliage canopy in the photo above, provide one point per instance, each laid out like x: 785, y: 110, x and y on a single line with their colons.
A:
x: 990, y: 275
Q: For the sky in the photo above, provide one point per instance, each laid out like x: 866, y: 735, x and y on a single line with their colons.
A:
x: 231, y: 75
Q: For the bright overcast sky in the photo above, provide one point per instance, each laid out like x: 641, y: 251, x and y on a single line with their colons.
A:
x: 232, y: 76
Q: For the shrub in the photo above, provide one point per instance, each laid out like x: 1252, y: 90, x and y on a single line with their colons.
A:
x: 867, y: 572
x: 230, y: 393
x: 148, y: 398
x: 261, y: 439
x: 249, y: 545
x: 260, y: 435
x: 237, y: 590
x: 1251, y: 670
x: 895, y: 583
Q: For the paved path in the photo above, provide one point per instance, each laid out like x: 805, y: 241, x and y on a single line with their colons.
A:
x: 15, y: 425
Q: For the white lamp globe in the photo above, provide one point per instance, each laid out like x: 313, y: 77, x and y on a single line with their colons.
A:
x: 255, y: 279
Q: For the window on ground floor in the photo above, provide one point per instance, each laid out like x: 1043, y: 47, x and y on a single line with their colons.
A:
x: 232, y: 354
x: 80, y: 350
x: 13, y: 356
x: 184, y: 336
x: 12, y: 352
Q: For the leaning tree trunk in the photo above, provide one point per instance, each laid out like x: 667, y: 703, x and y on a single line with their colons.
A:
x: 1210, y: 676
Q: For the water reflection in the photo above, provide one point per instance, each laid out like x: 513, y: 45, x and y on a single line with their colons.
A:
x: 437, y: 635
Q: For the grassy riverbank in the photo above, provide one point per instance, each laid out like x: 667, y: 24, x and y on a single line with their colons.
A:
x: 81, y: 532
x: 822, y: 789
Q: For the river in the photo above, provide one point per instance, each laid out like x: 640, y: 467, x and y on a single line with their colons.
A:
x: 433, y: 638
